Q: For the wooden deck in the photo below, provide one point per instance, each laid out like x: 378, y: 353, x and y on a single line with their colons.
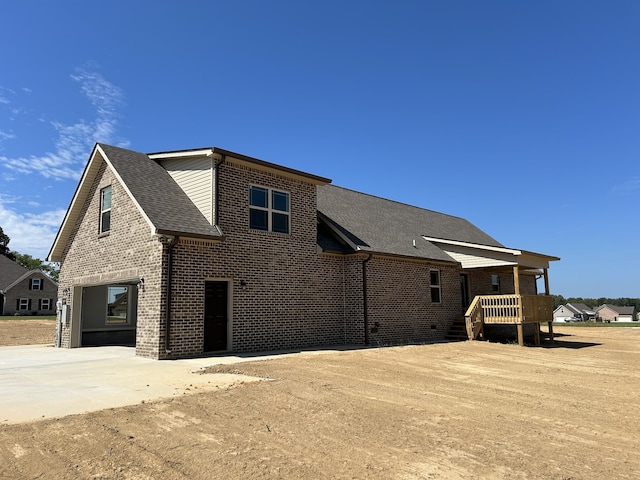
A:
x: 509, y: 309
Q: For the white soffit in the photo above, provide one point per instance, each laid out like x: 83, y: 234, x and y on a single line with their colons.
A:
x: 472, y: 255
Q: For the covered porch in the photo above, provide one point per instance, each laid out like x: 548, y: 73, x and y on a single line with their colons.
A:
x: 516, y: 307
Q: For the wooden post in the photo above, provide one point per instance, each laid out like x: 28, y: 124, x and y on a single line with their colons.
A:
x: 546, y: 282
x: 548, y: 292
x: 516, y: 280
x: 520, y: 335
x: 536, y: 333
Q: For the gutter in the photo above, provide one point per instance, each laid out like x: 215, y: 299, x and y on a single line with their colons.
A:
x: 365, y: 306
x: 167, y: 337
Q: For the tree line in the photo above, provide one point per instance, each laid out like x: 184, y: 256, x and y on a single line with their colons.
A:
x: 596, y: 302
x: 26, y: 260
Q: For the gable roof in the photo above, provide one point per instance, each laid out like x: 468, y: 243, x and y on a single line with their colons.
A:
x: 581, y: 308
x: 366, y: 223
x: 626, y: 310
x: 10, y: 271
x: 165, y: 206
x: 372, y: 224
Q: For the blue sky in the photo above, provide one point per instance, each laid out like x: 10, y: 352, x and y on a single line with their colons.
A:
x: 522, y: 117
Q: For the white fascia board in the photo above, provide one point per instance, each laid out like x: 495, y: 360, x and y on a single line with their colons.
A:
x: 474, y: 245
x: 182, y: 154
x: 79, y: 197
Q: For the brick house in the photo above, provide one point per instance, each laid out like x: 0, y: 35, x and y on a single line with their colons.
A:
x: 25, y: 292
x: 187, y: 252
x: 616, y: 313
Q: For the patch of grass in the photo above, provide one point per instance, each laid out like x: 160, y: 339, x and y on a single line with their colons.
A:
x: 597, y: 324
x: 27, y: 317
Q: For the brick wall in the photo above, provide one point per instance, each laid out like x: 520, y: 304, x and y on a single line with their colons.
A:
x: 125, y: 254
x: 294, y: 297
x: 399, y: 301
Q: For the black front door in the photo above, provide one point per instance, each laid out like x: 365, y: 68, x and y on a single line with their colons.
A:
x: 464, y: 286
x: 215, y: 316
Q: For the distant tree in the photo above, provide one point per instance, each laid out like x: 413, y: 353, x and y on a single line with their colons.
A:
x: 4, y: 245
x: 31, y: 263
x: 558, y: 300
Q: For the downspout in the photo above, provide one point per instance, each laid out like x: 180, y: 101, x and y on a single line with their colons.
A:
x: 365, y: 307
x: 167, y: 337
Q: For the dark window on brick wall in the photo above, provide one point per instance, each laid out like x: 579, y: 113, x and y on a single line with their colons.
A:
x: 105, y: 209
x: 269, y: 210
x: 434, y: 278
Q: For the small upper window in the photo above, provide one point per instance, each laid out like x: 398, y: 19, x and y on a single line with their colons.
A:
x: 105, y: 209
x: 269, y: 210
x: 495, y: 283
x: 434, y: 277
x: 36, y: 284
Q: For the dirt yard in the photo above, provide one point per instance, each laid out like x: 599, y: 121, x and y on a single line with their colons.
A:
x: 443, y: 411
x: 26, y: 332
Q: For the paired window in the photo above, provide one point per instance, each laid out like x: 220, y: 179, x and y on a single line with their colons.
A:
x: 436, y: 290
x: 269, y: 210
x: 105, y: 209
x: 495, y: 283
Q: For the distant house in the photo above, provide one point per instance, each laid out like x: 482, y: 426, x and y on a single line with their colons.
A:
x: 583, y: 311
x: 615, y: 313
x: 25, y: 292
x: 573, y: 312
x: 187, y: 252
x: 563, y: 314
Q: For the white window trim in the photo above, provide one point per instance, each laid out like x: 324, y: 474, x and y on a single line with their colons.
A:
x: 26, y: 304
x: 44, y: 301
x: 34, y: 282
x: 105, y: 210
x: 438, y: 286
x: 270, y: 210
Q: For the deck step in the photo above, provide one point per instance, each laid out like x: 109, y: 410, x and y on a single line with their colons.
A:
x: 457, y: 331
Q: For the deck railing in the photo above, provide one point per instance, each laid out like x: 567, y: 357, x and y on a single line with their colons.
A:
x: 518, y: 309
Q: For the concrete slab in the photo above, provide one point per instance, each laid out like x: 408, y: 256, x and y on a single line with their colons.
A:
x: 38, y: 381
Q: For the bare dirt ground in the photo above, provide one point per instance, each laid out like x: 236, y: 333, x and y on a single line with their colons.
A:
x: 27, y: 332
x: 443, y: 411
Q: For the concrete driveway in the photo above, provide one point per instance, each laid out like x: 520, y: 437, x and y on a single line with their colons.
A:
x: 38, y: 381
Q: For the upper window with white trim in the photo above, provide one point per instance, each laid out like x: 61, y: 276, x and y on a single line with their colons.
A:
x: 105, y: 209
x: 35, y: 284
x: 269, y: 210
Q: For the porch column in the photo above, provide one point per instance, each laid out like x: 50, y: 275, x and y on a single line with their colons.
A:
x: 546, y: 281
x: 516, y: 279
x: 547, y: 292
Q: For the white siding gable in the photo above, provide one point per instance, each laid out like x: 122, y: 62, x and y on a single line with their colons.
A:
x: 195, y: 177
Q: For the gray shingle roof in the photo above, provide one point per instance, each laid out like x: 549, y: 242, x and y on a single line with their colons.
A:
x: 379, y: 225
x: 10, y: 271
x: 166, y: 205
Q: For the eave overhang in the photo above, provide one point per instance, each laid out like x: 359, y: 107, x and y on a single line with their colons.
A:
x: 471, y: 255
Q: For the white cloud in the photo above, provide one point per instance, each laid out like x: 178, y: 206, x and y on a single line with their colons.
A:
x: 6, y: 136
x: 31, y: 234
x: 628, y: 186
x: 75, y: 141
